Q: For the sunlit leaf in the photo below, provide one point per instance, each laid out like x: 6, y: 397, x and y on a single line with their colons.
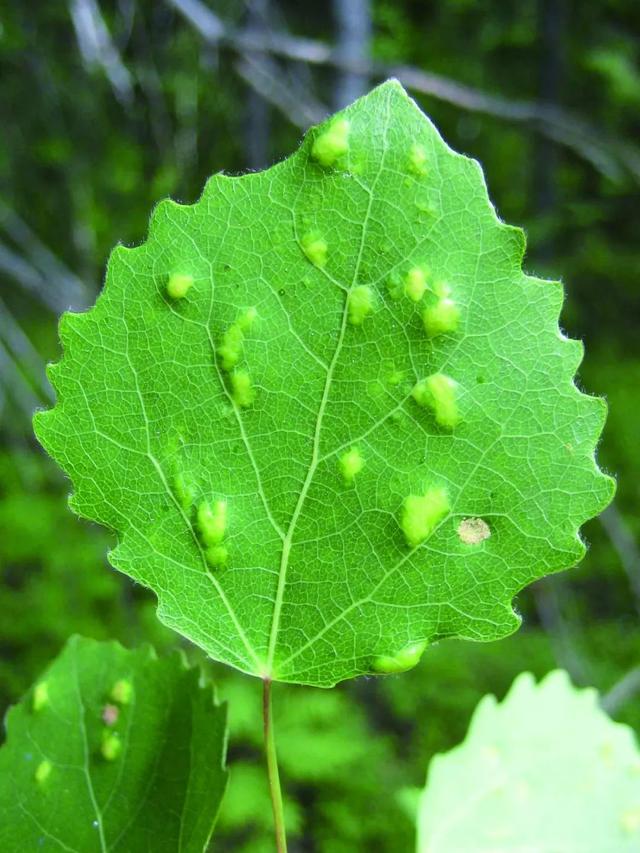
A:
x: 545, y: 770
x: 327, y: 414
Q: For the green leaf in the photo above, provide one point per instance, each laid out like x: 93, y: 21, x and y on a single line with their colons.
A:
x: 544, y: 770
x: 113, y: 750
x: 292, y: 398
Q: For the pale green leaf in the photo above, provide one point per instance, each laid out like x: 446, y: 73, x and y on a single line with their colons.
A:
x: 328, y: 416
x: 113, y: 750
x: 544, y: 771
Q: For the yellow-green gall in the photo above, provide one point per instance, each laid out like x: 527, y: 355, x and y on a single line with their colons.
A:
x: 441, y: 318
x: 111, y: 745
x: 418, y: 159
x: 178, y: 285
x: 122, y: 691
x: 415, y: 284
x: 246, y: 320
x: 360, y: 304
x: 40, y: 696
x: 217, y: 556
x: 242, y: 391
x: 351, y: 463
x: 440, y: 394
x: 403, y: 660
x: 332, y: 143
x: 422, y: 513
x: 630, y: 821
x: 212, y: 521
x: 230, y: 348
x: 315, y: 248
x: 395, y: 285
x: 184, y: 491
x: 43, y: 771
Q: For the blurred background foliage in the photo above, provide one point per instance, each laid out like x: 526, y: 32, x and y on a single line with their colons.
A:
x: 109, y: 105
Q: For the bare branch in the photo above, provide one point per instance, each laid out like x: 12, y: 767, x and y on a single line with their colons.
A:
x: 97, y: 47
x: 353, y: 26
x: 19, y: 344
x: 622, y: 692
x: 548, y: 595
x: 259, y: 74
x: 625, y: 545
x: 38, y: 265
x: 610, y: 156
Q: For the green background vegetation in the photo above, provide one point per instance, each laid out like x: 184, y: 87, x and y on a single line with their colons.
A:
x: 91, y: 141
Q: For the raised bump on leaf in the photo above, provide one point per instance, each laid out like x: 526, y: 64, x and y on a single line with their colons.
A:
x: 217, y: 556
x: 111, y: 745
x: 122, y: 691
x: 230, y: 348
x: 418, y: 159
x: 402, y: 661
x: 212, y: 521
x: 332, y: 143
x: 422, y: 513
x: 43, y: 771
x: 361, y: 302
x: 441, y: 318
x: 630, y: 821
x: 315, y: 248
x: 40, y: 696
x: 415, y: 284
x: 184, y: 491
x: 439, y: 393
x: 242, y: 390
x: 351, y: 463
x: 178, y: 285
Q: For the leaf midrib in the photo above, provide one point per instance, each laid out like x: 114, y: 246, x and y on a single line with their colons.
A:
x: 315, y: 455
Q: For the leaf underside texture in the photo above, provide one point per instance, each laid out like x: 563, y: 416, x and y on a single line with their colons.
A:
x: 341, y: 363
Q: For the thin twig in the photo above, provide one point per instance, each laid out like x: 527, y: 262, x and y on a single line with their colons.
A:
x: 622, y: 692
x: 547, y: 598
x: 625, y: 546
x: 22, y: 348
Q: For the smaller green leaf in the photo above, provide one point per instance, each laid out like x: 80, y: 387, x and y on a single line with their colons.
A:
x: 545, y: 770
x: 113, y: 750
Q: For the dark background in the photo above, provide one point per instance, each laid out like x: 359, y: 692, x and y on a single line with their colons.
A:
x: 106, y: 107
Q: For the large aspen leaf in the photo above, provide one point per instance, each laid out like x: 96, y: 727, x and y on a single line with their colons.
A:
x: 327, y: 414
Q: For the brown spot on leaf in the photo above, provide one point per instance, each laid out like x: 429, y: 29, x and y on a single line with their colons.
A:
x: 473, y: 531
x: 110, y: 715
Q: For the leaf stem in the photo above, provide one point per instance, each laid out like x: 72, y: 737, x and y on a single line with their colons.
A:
x: 272, y: 768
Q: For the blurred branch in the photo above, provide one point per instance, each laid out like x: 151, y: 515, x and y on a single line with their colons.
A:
x: 19, y: 344
x: 97, y: 47
x: 36, y: 268
x: 260, y: 76
x: 548, y: 595
x: 625, y: 545
x: 257, y: 113
x: 622, y: 692
x: 609, y: 156
x: 16, y: 384
x: 353, y: 25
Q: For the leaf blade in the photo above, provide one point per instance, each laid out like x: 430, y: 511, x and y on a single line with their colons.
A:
x: 514, y: 449
x: 113, y: 750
